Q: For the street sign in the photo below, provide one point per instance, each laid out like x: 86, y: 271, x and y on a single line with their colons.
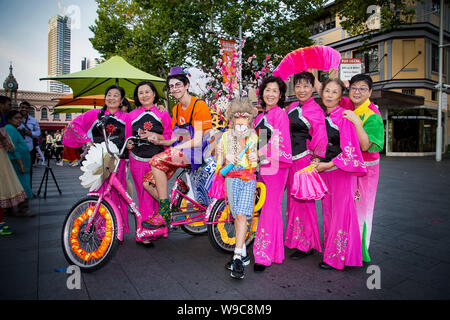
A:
x: 349, y: 68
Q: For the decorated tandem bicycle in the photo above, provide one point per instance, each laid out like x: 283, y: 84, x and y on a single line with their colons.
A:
x: 93, y: 227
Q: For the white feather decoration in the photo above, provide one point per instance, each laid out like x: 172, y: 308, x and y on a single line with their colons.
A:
x: 97, y: 165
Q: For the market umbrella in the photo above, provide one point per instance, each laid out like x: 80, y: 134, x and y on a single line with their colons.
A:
x: 113, y: 71
x: 69, y: 100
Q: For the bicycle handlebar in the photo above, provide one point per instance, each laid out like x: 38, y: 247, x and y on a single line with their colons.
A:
x: 101, y: 124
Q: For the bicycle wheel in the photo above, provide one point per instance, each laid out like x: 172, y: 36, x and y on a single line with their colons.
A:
x: 222, y: 234
x: 195, y: 228
x: 92, y: 249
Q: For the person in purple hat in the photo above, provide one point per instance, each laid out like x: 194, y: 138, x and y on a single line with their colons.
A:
x: 191, y: 120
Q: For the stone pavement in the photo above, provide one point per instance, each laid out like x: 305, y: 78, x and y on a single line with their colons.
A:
x: 410, y: 246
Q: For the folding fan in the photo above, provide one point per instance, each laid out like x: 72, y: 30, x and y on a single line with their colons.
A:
x: 314, y: 57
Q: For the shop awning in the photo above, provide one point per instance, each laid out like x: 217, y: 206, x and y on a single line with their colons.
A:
x: 392, y: 99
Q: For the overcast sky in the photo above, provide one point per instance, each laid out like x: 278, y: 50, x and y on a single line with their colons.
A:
x: 24, y: 37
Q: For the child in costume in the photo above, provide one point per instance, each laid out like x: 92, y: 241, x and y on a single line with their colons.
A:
x: 240, y: 181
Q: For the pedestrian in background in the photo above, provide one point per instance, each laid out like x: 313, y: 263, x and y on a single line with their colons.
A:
x: 30, y: 130
x: 5, y: 106
x: 11, y: 190
x: 20, y: 159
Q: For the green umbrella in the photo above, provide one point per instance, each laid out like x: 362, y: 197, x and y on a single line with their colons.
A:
x: 73, y: 109
x: 113, y: 71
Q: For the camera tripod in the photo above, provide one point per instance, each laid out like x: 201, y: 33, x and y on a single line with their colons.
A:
x: 45, y: 177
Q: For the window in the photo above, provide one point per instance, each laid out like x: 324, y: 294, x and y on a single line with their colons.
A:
x: 44, y: 113
x: 56, y: 116
x: 411, y: 92
x: 369, y: 59
x: 434, y: 57
x: 68, y: 116
x: 323, y: 24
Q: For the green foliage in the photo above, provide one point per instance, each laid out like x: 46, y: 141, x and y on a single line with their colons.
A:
x: 154, y: 35
x: 354, y: 14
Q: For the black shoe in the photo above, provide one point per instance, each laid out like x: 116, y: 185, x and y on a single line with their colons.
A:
x: 297, y: 255
x: 326, y: 266
x: 259, y: 267
x: 146, y: 244
x: 237, y: 269
x: 245, y: 261
x: 151, y: 226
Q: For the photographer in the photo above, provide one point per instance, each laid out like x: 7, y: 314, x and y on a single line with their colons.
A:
x: 30, y: 131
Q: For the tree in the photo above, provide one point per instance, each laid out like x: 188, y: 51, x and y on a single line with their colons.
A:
x: 354, y: 14
x: 154, y: 35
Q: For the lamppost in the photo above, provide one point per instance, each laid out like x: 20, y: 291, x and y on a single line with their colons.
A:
x: 440, y: 85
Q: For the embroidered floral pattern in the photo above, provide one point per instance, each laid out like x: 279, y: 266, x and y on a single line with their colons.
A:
x: 348, y: 155
x: 298, y: 233
x: 148, y: 126
x: 110, y: 128
x: 261, y: 245
x: 341, y: 245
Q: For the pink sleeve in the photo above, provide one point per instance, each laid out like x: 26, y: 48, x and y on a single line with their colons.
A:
x: 167, y: 124
x: 128, y: 130
x: 350, y: 159
x: 319, y: 137
x: 76, y: 131
x: 346, y: 103
x: 278, y: 148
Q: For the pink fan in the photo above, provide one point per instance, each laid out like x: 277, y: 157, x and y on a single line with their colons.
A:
x: 308, y: 184
x: 314, y: 57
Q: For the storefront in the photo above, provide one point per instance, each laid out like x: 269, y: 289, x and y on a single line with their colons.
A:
x: 410, y: 125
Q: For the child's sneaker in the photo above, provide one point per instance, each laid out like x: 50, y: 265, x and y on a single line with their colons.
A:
x: 5, y: 230
x: 237, y: 269
x: 245, y: 261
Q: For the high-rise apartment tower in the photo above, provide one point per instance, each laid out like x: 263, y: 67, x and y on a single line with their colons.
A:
x: 58, y: 51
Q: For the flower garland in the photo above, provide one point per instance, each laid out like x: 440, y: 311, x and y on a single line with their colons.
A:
x: 86, y: 256
x: 224, y: 234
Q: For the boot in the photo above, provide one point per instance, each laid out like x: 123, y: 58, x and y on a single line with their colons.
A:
x: 164, y: 212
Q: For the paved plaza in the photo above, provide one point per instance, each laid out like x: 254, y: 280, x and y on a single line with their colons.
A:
x: 410, y: 248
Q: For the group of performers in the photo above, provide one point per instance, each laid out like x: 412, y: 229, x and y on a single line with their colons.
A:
x: 342, y: 142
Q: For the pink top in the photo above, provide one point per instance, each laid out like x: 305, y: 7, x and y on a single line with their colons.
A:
x: 278, y: 146
x: 314, y: 114
x: 77, y: 131
x: 350, y: 159
x: 347, y: 103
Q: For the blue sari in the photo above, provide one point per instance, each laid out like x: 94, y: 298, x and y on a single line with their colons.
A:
x: 21, y: 151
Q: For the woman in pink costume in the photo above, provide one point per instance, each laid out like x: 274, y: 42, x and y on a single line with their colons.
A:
x: 83, y: 131
x: 370, y: 129
x: 308, y: 137
x: 274, y: 147
x: 146, y: 121
x: 342, y: 165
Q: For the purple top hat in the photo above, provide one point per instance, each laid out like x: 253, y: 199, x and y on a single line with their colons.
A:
x: 174, y: 71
